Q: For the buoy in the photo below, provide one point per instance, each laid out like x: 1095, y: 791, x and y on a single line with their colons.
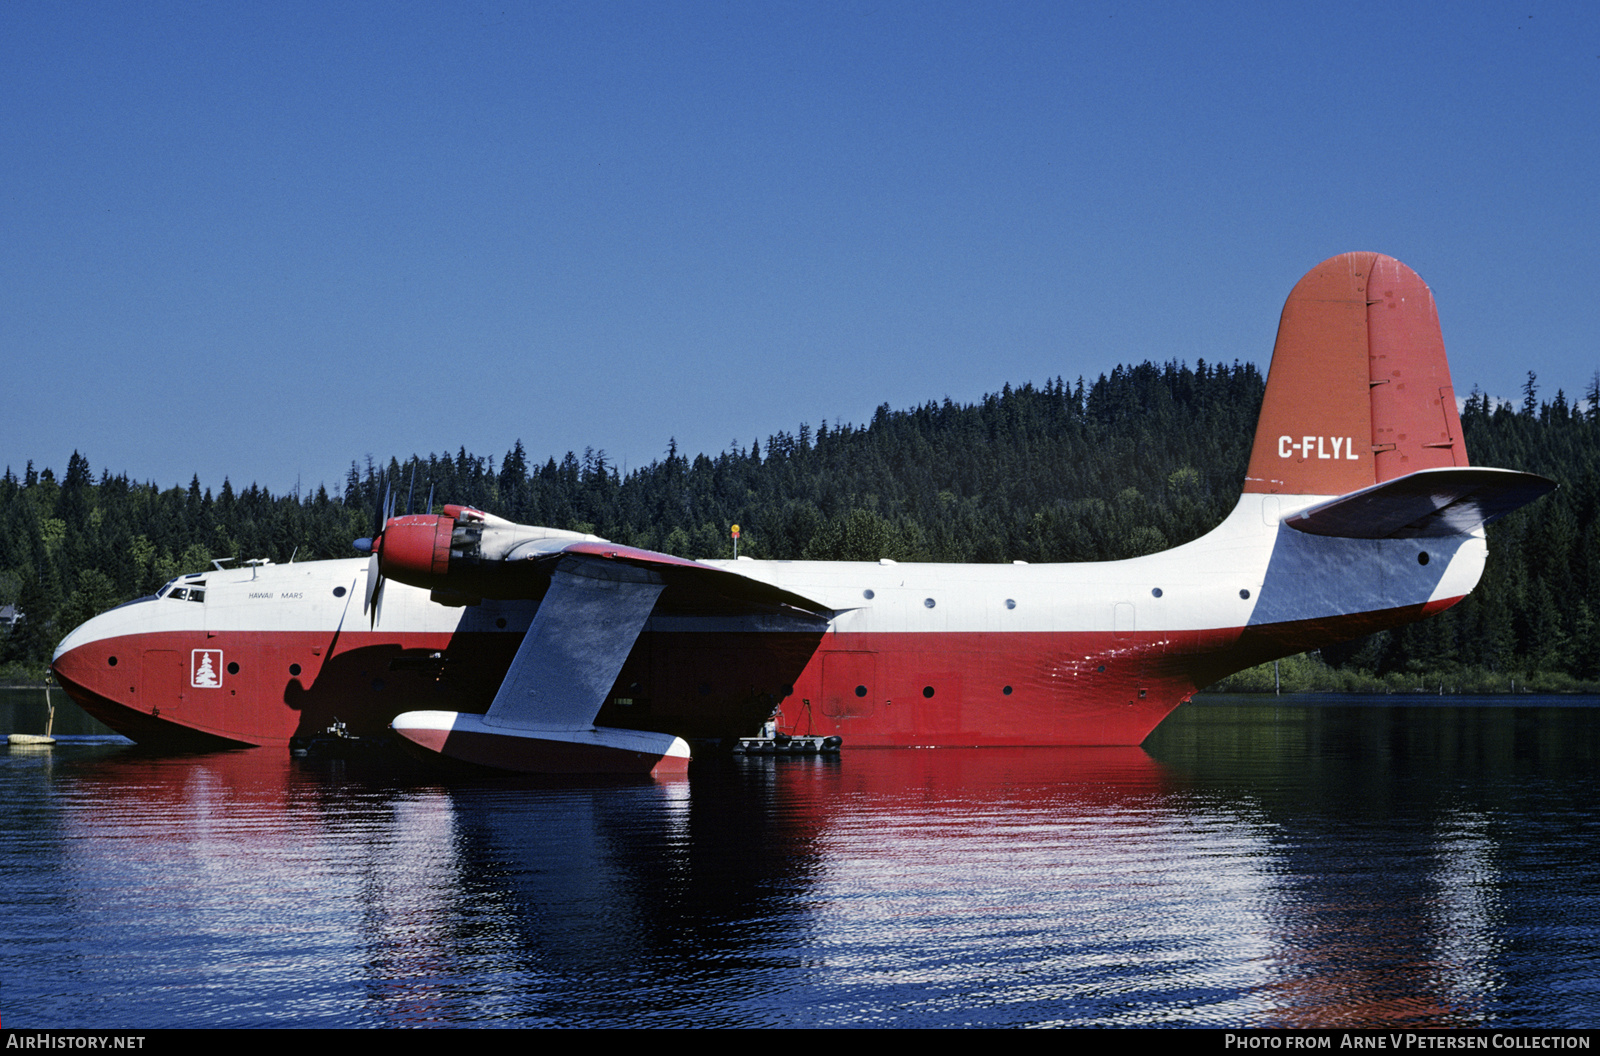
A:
x: 49, y: 725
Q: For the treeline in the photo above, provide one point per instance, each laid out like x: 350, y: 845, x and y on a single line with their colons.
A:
x: 1142, y: 459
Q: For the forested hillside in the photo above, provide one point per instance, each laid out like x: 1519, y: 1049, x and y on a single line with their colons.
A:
x: 1137, y: 461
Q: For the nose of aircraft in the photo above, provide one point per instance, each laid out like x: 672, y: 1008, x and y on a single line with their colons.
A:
x: 80, y: 635
x: 73, y: 666
x: 99, y: 653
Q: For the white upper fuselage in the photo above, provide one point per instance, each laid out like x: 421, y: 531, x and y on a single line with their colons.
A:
x: 1250, y: 570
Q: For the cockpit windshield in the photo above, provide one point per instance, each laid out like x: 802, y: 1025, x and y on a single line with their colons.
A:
x: 184, y: 588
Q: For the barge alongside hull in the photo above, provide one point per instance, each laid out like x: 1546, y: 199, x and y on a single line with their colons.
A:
x: 1359, y: 513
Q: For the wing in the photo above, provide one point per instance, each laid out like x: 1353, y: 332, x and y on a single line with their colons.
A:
x: 595, y: 598
x: 470, y: 555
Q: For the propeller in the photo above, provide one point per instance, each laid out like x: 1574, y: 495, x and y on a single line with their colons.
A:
x: 413, y: 548
x: 369, y: 544
x: 374, y: 546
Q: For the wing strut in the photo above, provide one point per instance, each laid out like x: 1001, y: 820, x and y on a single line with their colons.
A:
x: 573, y: 652
x: 542, y: 719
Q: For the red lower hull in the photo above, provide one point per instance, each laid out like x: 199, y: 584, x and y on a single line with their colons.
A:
x: 950, y: 689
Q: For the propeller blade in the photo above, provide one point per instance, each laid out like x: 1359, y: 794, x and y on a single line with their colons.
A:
x: 377, y: 512
x: 369, y: 544
x: 373, y: 576
x: 372, y: 603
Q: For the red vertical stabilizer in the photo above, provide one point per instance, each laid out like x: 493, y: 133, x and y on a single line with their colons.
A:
x: 1359, y: 390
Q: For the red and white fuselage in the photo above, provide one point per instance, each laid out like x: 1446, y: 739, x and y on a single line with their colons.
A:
x: 1360, y: 512
x: 914, y: 654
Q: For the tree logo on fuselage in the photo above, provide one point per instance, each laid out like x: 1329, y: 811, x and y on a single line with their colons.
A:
x: 205, y: 668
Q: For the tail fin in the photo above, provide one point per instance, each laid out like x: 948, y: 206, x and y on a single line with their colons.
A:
x: 1359, y: 390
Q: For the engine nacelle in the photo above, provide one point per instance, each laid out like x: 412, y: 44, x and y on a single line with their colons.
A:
x: 417, y: 545
x: 468, y: 552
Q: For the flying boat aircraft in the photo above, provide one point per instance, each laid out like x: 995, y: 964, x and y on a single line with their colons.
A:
x: 540, y: 650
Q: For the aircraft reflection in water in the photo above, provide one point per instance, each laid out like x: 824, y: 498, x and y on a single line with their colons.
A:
x: 540, y: 650
x: 969, y: 887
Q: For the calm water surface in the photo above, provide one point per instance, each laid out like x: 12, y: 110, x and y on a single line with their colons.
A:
x: 1255, y: 864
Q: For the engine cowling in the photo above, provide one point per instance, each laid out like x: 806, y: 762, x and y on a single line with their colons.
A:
x: 415, y: 547
x: 467, y: 553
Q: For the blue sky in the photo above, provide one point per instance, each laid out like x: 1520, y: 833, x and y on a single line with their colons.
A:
x: 260, y: 241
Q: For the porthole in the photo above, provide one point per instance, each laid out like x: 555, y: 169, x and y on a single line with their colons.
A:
x: 861, y: 691
x: 1155, y: 592
x: 1422, y: 558
x: 111, y: 661
x: 338, y: 592
x: 788, y: 690
x: 1101, y: 669
x: 233, y: 667
x: 1245, y: 594
x: 1011, y: 603
x: 927, y: 603
x: 294, y: 670
x: 869, y: 595
x: 1006, y: 691
x: 501, y: 623
x: 927, y: 691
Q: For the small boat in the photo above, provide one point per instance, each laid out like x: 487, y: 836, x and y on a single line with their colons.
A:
x: 337, y: 742
x: 772, y: 742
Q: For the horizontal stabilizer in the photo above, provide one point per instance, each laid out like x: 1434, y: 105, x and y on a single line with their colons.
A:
x: 1430, y: 503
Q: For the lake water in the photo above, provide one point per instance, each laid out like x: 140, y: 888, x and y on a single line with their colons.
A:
x: 1432, y: 862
